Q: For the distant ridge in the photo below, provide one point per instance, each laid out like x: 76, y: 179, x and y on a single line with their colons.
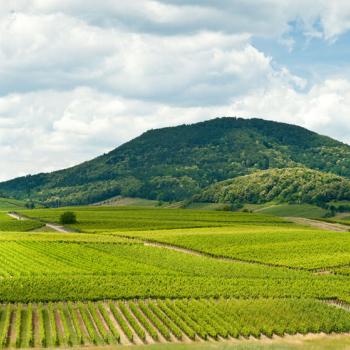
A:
x: 174, y: 163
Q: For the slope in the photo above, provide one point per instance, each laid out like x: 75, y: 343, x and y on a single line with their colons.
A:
x: 293, y: 185
x: 175, y: 163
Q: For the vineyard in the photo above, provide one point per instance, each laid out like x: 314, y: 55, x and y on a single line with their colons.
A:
x: 111, y: 219
x: 237, y: 275
x: 162, y: 321
x: 8, y: 223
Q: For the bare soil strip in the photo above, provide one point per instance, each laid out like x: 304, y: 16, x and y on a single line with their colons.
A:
x: 339, y: 304
x: 136, y: 338
x: 328, y: 226
x: 55, y: 227
x: 161, y: 339
x: 149, y: 339
x: 17, y: 216
x: 58, y: 228
x: 123, y: 338
x: 208, y: 255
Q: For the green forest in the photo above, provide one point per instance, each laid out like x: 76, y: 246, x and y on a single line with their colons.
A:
x: 176, y: 163
x: 291, y: 185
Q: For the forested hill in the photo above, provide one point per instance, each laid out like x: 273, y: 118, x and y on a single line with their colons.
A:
x: 175, y: 163
x: 293, y: 185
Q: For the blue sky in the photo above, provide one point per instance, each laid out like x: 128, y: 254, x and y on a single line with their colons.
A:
x: 78, y: 78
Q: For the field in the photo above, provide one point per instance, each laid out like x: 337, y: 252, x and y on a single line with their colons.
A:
x: 162, y: 321
x: 11, y: 204
x: 111, y: 219
x: 147, y: 275
x: 298, y: 210
x: 8, y: 223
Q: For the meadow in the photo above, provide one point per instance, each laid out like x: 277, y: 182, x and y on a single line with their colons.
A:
x: 122, y: 277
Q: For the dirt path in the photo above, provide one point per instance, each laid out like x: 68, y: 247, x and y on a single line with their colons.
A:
x: 16, y: 216
x: 319, y: 224
x: 55, y: 227
x: 58, y: 228
x: 212, y: 256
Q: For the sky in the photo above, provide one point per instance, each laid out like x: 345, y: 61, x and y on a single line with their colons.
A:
x: 78, y: 78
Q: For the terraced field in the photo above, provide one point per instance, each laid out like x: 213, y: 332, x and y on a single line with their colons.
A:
x: 163, y: 276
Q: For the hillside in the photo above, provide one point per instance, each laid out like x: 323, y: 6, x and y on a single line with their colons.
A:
x: 175, y: 163
x: 293, y: 185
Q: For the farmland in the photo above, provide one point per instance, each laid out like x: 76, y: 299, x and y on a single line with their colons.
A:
x: 8, y: 223
x: 122, y: 277
x: 111, y: 219
x: 154, y: 321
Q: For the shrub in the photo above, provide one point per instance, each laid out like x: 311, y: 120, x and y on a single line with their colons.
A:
x: 67, y: 218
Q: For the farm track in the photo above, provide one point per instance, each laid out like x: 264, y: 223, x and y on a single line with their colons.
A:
x: 327, y: 226
x: 193, y: 252
x: 17, y: 216
x: 55, y: 227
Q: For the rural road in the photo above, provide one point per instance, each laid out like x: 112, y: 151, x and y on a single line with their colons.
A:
x: 54, y: 227
x: 319, y: 224
x: 16, y: 216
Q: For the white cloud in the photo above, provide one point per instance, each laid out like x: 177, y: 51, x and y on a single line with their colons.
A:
x: 78, y: 78
x: 325, y: 108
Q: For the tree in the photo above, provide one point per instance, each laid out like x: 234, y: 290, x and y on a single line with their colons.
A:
x: 68, y: 218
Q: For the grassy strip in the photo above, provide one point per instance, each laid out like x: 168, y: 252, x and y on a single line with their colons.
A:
x: 5, y: 324
x: 194, y: 325
x: 177, y: 320
x: 94, y: 335
x: 166, y: 320
x: 133, y: 323
x: 164, y: 331
x: 108, y: 321
x: 203, y: 324
x: 122, y: 323
x: 16, y: 341
x: 142, y: 319
x: 72, y: 313
x: 106, y: 335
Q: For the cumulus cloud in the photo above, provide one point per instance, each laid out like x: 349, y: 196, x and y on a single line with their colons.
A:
x: 78, y: 78
x: 325, y: 108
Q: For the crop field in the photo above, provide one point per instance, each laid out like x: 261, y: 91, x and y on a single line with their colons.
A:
x: 162, y: 321
x: 145, y: 275
x: 104, y: 219
x: 289, y: 246
x: 10, y: 224
x: 299, y: 210
x: 11, y: 204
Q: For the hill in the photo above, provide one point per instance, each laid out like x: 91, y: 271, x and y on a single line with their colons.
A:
x: 175, y: 163
x: 293, y: 185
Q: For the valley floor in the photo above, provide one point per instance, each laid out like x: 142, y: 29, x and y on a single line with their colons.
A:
x: 171, y: 278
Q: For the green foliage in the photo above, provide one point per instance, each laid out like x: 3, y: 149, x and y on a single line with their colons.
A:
x: 290, y: 246
x: 204, y: 317
x: 293, y: 185
x: 111, y: 219
x: 175, y: 163
x: 108, y: 321
x: 68, y: 218
x: 121, y: 321
x: 8, y: 223
x: 296, y: 210
x: 11, y: 204
x: 143, y: 321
